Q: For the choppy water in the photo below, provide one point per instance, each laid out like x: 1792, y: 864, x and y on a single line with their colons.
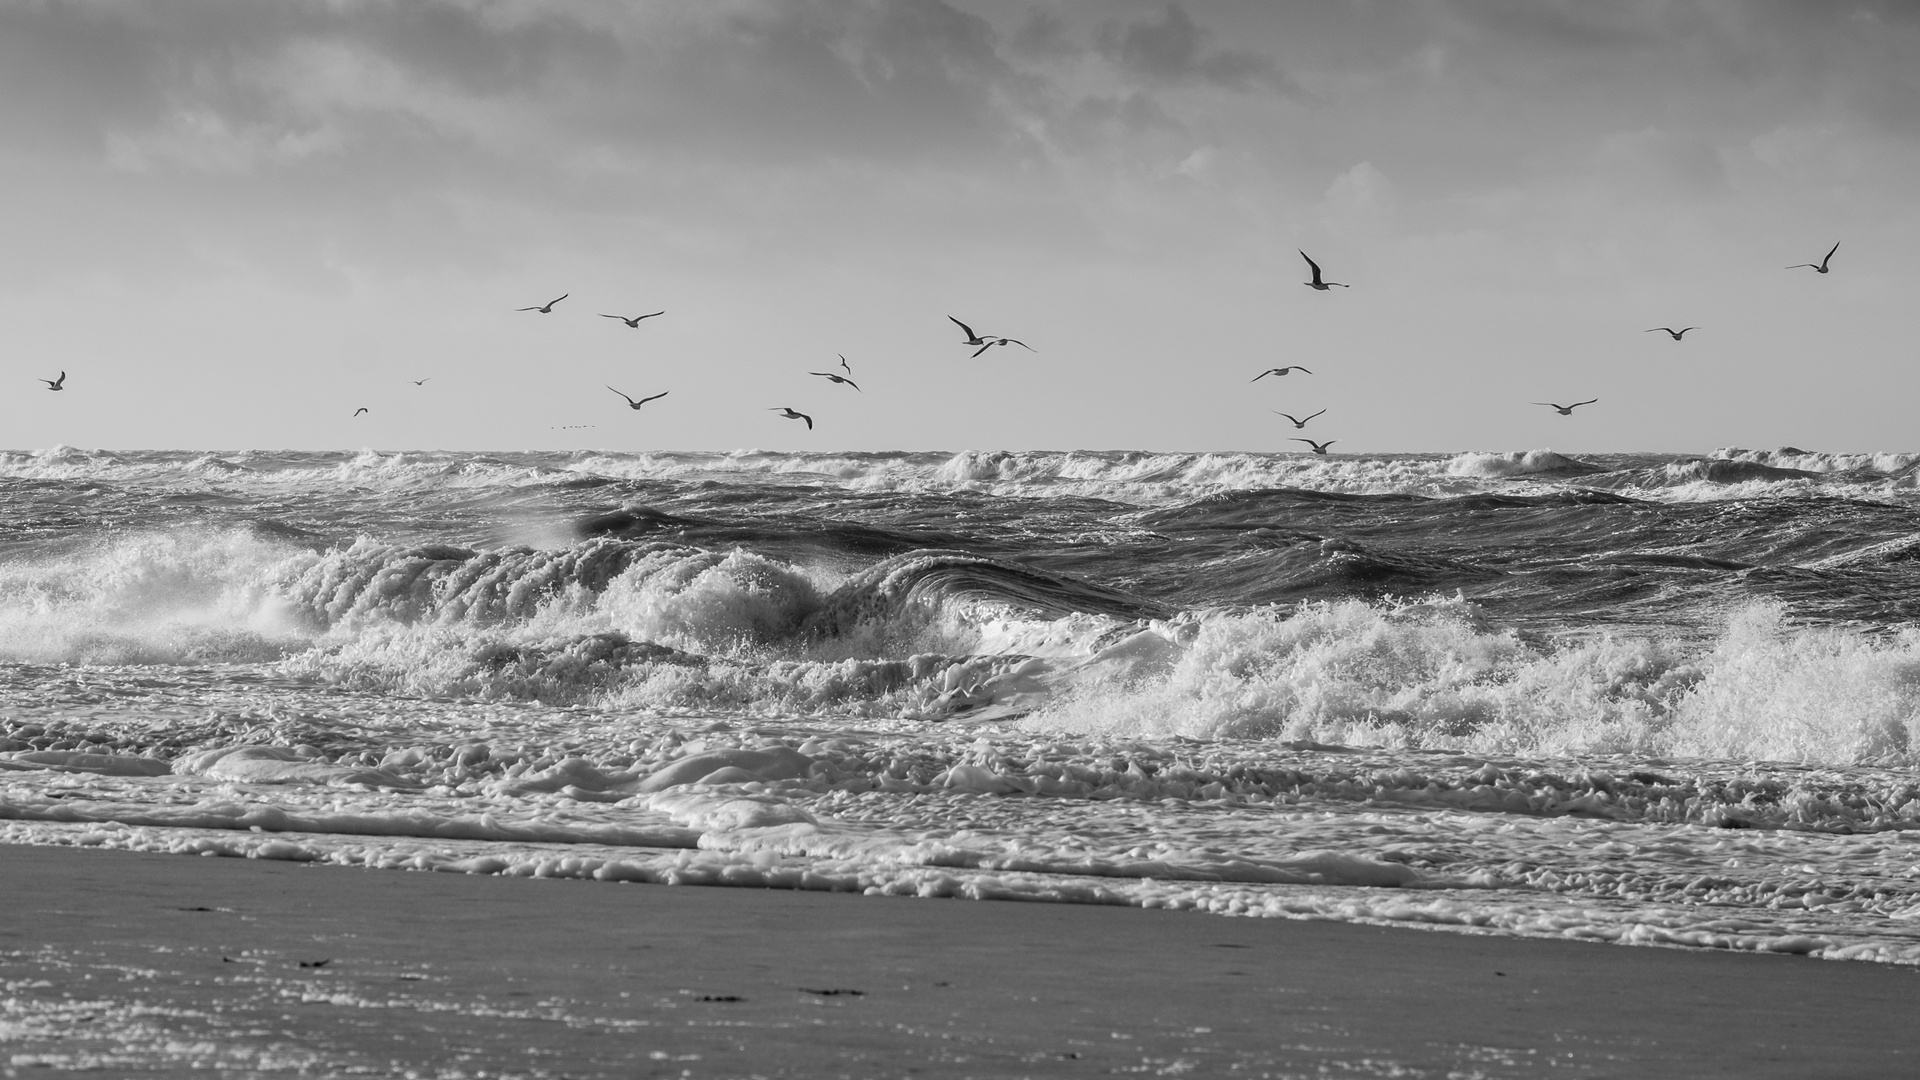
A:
x: 1635, y: 698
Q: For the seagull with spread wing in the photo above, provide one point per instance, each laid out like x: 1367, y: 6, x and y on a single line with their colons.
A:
x: 546, y: 308
x: 837, y: 378
x: 1316, y: 283
x: 633, y: 322
x: 1821, y: 266
x: 632, y: 404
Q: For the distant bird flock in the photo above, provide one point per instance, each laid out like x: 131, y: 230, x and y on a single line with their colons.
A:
x: 980, y: 343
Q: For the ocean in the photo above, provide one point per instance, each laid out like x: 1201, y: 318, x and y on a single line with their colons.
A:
x: 1648, y: 699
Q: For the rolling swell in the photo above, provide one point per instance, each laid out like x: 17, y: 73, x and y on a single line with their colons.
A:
x: 945, y: 579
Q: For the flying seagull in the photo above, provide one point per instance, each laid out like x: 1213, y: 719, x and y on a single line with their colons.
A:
x: 837, y: 378
x: 1316, y: 283
x: 792, y: 415
x: 633, y: 322
x: 632, y: 404
x: 1677, y: 334
x: 546, y: 308
x: 1298, y: 422
x: 359, y: 410
x: 1318, y: 447
x: 844, y: 366
x: 1821, y: 267
x: 1004, y: 341
x: 1564, y: 410
x: 972, y: 338
x: 1278, y: 371
x: 420, y: 382
x: 56, y: 384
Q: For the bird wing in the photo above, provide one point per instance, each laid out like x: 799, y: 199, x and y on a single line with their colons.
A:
x: 1017, y: 341
x: 637, y: 318
x: 1667, y: 329
x: 629, y: 400
x: 604, y: 315
x: 557, y: 299
x: 983, y: 348
x: 1263, y: 374
x: 1315, y: 265
x: 971, y: 336
x: 655, y: 397
x: 1297, y: 367
x: 536, y: 307
x: 808, y: 419
x: 1311, y: 417
x: 1830, y: 251
x: 1548, y: 404
x: 1577, y: 404
x: 1677, y: 333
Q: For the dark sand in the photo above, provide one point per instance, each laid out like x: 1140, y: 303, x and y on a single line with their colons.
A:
x: 161, y: 964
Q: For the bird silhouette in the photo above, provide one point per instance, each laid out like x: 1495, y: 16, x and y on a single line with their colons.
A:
x: 546, y: 308
x: 56, y: 384
x: 1677, y: 334
x: 420, y: 382
x: 1565, y: 410
x: 1278, y: 371
x: 1821, y: 266
x: 1298, y: 422
x: 632, y: 404
x: 972, y: 338
x: 844, y: 366
x: 1004, y: 341
x: 633, y: 322
x: 1318, y: 447
x: 359, y: 410
x: 793, y: 415
x: 837, y: 378
x: 1316, y: 283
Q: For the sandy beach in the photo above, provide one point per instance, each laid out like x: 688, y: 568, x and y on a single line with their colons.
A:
x: 143, y: 964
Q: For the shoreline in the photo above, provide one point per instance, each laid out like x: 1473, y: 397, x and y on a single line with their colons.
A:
x: 161, y: 964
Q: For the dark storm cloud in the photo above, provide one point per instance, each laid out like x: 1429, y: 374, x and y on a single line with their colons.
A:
x: 1565, y: 24
x: 1042, y: 36
x: 917, y: 80
x: 1175, y: 49
x: 438, y: 131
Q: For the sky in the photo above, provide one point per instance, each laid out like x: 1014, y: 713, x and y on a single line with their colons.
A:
x: 234, y: 224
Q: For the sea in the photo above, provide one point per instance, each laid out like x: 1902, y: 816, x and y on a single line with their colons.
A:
x: 1648, y: 699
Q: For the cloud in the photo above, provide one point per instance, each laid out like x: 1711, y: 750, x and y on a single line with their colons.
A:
x: 1174, y: 49
x: 1567, y: 24
x: 1363, y: 189
x: 1654, y: 161
x: 1042, y: 36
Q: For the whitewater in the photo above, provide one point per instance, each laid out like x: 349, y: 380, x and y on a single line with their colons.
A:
x: 1648, y: 699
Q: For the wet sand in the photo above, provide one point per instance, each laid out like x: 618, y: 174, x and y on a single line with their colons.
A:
x: 145, y: 964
